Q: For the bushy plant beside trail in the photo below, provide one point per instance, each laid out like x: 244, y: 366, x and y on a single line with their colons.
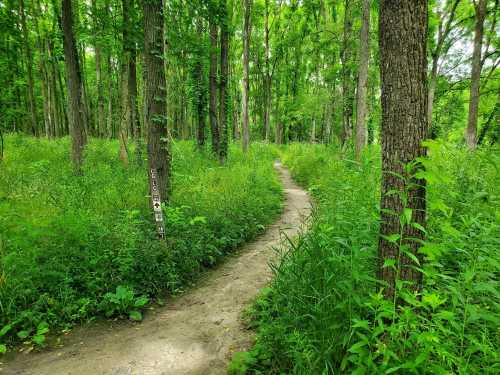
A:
x: 325, y: 313
x: 72, y: 247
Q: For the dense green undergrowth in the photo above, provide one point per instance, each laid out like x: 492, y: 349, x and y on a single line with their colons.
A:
x: 72, y: 248
x: 325, y: 314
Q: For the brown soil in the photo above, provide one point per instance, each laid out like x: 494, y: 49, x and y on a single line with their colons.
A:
x: 195, y: 333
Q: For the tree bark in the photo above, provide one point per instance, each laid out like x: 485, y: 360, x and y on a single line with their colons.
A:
x: 101, y: 120
x: 475, y: 79
x: 29, y: 69
x: 403, y: 68
x: 156, y: 96
x: 247, y: 30
x: 200, y: 89
x: 267, y: 76
x: 364, y: 57
x: 223, y: 92
x: 74, y: 84
x: 347, y: 79
x: 214, y: 126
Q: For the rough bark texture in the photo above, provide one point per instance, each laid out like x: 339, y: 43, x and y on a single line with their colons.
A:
x: 29, y: 68
x: 74, y: 84
x: 223, y: 92
x: 212, y: 76
x: 475, y: 79
x: 364, y: 57
x: 403, y: 67
x: 247, y: 30
x: 155, y: 96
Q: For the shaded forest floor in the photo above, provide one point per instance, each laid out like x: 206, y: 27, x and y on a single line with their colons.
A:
x: 196, y: 333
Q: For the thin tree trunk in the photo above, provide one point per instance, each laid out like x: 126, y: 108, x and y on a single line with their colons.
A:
x: 74, y: 82
x: 213, y: 84
x: 267, y: 77
x: 247, y: 30
x: 471, y: 131
x: 29, y: 68
x: 223, y: 92
x: 347, y: 84
x: 125, y: 116
x: 364, y: 57
x: 101, y: 121
x: 200, y: 89
x: 109, y: 89
x: 403, y: 67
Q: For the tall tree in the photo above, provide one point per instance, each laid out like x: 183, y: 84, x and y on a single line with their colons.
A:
x: 96, y: 15
x: 347, y: 76
x: 155, y: 97
x: 475, y: 78
x: 200, y: 88
x: 247, y: 30
x: 403, y: 68
x: 74, y: 86
x: 29, y: 67
x: 443, y: 44
x: 364, y: 56
x: 212, y: 102
x: 224, y: 72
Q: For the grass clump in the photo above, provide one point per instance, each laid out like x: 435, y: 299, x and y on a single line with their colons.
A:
x: 325, y: 314
x: 72, y: 247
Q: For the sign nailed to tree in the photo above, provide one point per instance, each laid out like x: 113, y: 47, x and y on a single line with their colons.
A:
x: 156, y: 201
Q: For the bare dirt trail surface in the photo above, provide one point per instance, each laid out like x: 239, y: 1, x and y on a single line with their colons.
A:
x: 195, y: 333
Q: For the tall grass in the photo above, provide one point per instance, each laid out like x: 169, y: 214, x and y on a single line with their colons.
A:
x: 72, y: 247
x: 325, y: 314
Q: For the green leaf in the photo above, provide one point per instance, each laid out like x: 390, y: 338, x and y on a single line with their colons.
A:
x: 389, y: 262
x: 408, y: 213
x: 39, y: 340
x: 419, y: 227
x: 392, y: 237
x: 135, y: 315
x: 3, y: 349
x: 141, y: 301
x: 23, y: 334
x: 5, y: 329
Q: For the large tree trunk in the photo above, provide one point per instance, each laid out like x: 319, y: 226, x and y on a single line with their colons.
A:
x: 223, y: 92
x: 247, y: 30
x: 155, y: 97
x: 74, y: 84
x: 29, y: 68
x: 403, y: 67
x: 475, y: 78
x: 212, y: 105
x: 364, y: 57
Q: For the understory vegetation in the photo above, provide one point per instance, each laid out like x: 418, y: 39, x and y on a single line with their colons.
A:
x: 325, y: 312
x: 76, y: 247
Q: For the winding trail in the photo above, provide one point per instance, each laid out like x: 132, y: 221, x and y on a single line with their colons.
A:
x: 195, y: 333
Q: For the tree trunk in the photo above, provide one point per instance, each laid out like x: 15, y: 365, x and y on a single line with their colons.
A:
x: 267, y: 76
x: 156, y: 96
x: 29, y: 68
x: 126, y: 110
x: 403, y: 68
x: 214, y: 126
x: 347, y: 79
x: 201, y: 87
x: 475, y: 79
x: 364, y: 57
x: 223, y: 92
x: 247, y: 30
x: 74, y: 84
x: 101, y: 121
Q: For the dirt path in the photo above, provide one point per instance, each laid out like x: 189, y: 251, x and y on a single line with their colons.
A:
x: 195, y: 333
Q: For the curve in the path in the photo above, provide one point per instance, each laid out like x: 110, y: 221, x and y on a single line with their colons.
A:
x: 196, y: 333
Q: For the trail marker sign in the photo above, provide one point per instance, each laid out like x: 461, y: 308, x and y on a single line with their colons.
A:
x: 156, y: 202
